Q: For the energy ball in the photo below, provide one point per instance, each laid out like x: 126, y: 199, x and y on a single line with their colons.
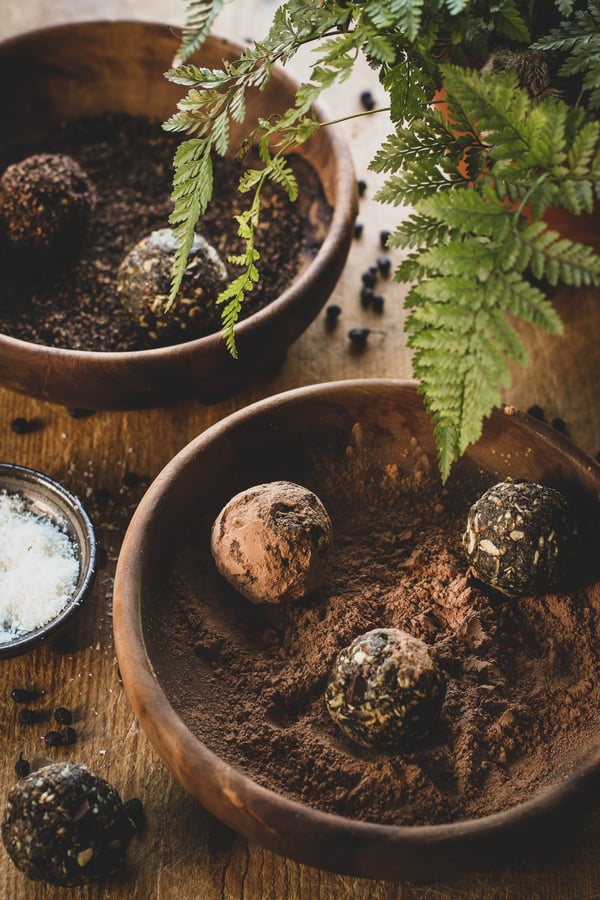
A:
x: 66, y: 826
x: 385, y: 690
x: 144, y: 283
x: 520, y: 538
x: 45, y: 204
x: 272, y: 542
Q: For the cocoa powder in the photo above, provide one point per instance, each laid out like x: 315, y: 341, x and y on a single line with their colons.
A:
x: 523, y: 702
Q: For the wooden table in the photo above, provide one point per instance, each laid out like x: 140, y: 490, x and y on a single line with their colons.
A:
x: 184, y: 852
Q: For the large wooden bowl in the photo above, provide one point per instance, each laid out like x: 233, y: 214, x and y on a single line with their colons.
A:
x: 280, y: 438
x: 61, y: 73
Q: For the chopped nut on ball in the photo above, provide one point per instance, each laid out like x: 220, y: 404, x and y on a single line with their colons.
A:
x: 272, y: 542
x: 144, y: 283
x: 520, y: 538
x: 385, y: 689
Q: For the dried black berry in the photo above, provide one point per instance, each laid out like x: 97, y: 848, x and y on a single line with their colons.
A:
x: 23, y: 695
x: 368, y: 278
x: 559, y: 425
x: 53, y: 738
x: 332, y: 312
x: 378, y: 302
x: 537, y: 412
x: 77, y: 412
x: 362, y: 186
x: 384, y: 264
x: 358, y: 336
x: 368, y: 100
x: 134, y: 809
x: 358, y: 229
x: 132, y: 479
x: 366, y: 297
x: 20, y: 425
x: 384, y: 237
x: 22, y: 767
x: 68, y: 736
x: 26, y: 716
x: 63, y: 716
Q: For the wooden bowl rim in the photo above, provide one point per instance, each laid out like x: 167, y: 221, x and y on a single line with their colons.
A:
x: 152, y: 705
x: 343, y: 215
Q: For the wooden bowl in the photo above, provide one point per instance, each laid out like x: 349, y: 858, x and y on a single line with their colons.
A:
x: 298, y: 436
x: 65, y: 72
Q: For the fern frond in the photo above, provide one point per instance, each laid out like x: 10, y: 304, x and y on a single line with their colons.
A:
x: 200, y: 16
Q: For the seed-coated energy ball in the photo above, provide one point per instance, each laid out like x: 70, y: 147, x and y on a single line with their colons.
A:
x: 66, y: 826
x: 272, y: 542
x: 520, y: 538
x: 144, y: 283
x: 385, y: 689
x: 45, y: 203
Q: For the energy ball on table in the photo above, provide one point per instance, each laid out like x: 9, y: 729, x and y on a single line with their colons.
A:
x: 520, y: 538
x: 45, y: 203
x: 385, y: 690
x: 144, y: 283
x: 272, y: 542
x: 65, y: 825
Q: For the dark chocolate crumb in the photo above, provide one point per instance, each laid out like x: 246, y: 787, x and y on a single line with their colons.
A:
x: 68, y: 736
x: 53, y: 738
x: 63, y: 716
x: 23, y: 695
x: 27, y: 716
x: 22, y: 767
x: 20, y: 425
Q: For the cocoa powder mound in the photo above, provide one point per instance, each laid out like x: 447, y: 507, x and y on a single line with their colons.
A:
x: 523, y: 703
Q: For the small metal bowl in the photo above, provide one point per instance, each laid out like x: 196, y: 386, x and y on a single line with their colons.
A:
x: 51, y: 500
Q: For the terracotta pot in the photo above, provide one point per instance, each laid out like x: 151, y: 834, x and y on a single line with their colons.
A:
x: 66, y: 72
x: 381, y: 423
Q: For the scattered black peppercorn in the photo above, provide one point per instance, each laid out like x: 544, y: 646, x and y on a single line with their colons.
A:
x: 26, y: 716
x: 358, y: 336
x: 132, y: 479
x: 23, y: 695
x: 368, y: 100
x: 63, y: 716
x: 68, y: 736
x: 53, y: 738
x: 20, y: 425
x: 368, y: 278
x: 22, y: 767
x: 378, y: 302
x: 366, y: 297
x: 559, y: 425
x: 77, y: 412
x: 361, y: 184
x: 134, y: 809
x: 384, y: 264
x: 537, y: 412
x: 332, y: 312
x: 358, y: 229
x: 383, y: 238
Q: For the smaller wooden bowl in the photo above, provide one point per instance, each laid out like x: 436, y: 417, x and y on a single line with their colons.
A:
x: 48, y: 499
x: 69, y: 71
x: 294, y: 436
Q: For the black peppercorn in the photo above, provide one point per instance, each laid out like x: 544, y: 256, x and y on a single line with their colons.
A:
x: 368, y: 100
x: 53, y: 738
x: 362, y: 186
x: 358, y: 229
x: 26, y: 716
x: 63, y: 716
x: 68, y: 736
x: 384, y: 237
x: 358, y: 336
x: 378, y: 302
x: 559, y: 425
x: 22, y: 767
x: 384, y: 264
x: 366, y: 297
x: 23, y: 695
x: 537, y: 412
x: 368, y: 278
x: 20, y: 425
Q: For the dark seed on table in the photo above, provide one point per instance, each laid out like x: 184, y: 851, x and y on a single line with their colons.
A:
x: 53, y: 738
x: 384, y: 237
x: 358, y: 229
x: 68, y: 736
x: 26, y: 716
x: 20, y: 425
x: 22, y: 767
x: 358, y: 336
x: 361, y: 184
x: 537, y: 412
x: 559, y: 425
x: 366, y: 297
x: 332, y: 312
x: 368, y: 100
x: 23, y: 695
x: 63, y: 716
x: 368, y: 278
x: 134, y: 809
x: 384, y: 264
x: 378, y: 302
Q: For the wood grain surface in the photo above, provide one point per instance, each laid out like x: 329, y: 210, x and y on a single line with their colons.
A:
x: 184, y: 852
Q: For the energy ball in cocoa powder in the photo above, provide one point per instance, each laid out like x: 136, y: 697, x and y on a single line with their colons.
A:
x: 272, y: 542
x: 520, y: 538
x: 65, y: 825
x: 45, y: 204
x: 144, y: 283
x: 385, y: 690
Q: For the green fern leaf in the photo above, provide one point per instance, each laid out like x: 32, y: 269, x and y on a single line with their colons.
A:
x: 200, y: 16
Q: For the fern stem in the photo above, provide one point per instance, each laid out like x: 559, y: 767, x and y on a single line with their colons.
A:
x: 519, y: 211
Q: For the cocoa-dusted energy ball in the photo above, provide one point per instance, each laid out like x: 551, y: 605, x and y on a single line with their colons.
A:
x: 144, y: 283
x: 45, y: 204
x: 272, y: 542
x: 385, y: 690
x: 65, y: 825
x: 520, y: 538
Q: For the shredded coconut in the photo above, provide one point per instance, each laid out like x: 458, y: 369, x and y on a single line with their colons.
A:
x: 38, y: 568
